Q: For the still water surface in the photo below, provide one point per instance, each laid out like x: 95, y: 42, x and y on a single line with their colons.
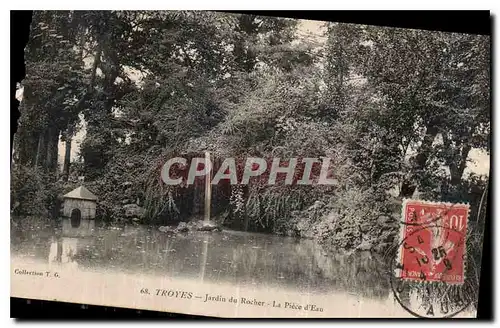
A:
x: 239, y: 258
x: 229, y: 256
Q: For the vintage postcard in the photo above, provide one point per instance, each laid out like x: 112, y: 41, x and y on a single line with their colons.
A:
x: 236, y: 165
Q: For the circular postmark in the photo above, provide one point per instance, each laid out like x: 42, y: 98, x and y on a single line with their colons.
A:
x: 428, y: 273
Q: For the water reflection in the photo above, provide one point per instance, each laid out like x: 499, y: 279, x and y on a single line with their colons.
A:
x: 229, y: 256
x: 84, y: 228
x: 68, y: 241
x: 63, y: 251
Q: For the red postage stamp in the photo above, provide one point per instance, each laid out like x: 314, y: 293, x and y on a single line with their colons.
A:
x: 432, y: 245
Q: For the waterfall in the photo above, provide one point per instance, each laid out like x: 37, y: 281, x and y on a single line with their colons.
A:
x: 208, y: 187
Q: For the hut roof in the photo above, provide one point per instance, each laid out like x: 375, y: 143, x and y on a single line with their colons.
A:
x: 81, y: 193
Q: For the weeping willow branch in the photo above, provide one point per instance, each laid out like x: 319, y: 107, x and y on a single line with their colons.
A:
x: 158, y: 198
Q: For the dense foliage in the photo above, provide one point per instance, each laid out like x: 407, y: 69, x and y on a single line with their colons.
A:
x: 398, y: 110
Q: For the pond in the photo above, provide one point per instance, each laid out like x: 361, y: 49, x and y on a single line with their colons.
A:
x: 234, y: 258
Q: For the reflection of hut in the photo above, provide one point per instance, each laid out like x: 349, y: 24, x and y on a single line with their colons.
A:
x: 62, y: 251
x: 79, y: 204
x: 83, y: 228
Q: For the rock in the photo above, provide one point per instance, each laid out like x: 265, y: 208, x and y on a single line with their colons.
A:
x: 208, y: 226
x: 182, y: 227
x: 135, y: 219
x: 193, y: 224
x: 133, y: 210
x: 166, y: 229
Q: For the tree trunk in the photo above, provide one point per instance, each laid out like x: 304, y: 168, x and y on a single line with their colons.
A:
x: 246, y: 220
x: 457, y: 168
x: 39, y: 150
x: 25, y: 146
x: 97, y: 60
x: 52, y: 151
x: 339, y: 103
x: 418, y: 162
x: 245, y: 58
x: 67, y: 157
x: 48, y: 157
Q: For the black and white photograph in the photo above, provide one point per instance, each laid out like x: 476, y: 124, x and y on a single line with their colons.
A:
x: 242, y: 165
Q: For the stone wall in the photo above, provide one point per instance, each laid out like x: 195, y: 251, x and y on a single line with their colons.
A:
x: 86, y: 207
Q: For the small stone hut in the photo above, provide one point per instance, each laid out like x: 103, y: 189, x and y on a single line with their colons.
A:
x: 79, y: 204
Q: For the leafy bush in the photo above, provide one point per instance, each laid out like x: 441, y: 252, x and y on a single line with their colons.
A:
x: 355, y: 218
x: 33, y: 192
